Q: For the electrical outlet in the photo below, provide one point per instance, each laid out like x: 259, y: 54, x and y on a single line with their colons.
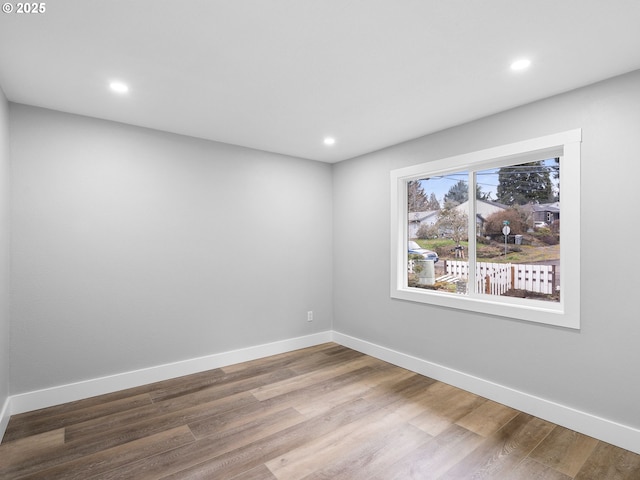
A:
x: 310, y: 316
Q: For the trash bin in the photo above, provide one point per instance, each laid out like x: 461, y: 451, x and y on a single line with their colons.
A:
x: 518, y: 239
x: 427, y: 273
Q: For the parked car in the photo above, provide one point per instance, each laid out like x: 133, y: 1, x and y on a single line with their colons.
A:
x: 418, y: 250
x: 540, y: 224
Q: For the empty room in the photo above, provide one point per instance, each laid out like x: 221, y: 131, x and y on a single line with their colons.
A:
x: 294, y: 239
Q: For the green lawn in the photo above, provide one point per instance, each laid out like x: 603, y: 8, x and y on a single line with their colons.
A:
x: 495, y: 252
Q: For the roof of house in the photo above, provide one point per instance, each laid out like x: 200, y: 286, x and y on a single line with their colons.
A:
x: 420, y: 216
x: 544, y: 207
x: 483, y: 207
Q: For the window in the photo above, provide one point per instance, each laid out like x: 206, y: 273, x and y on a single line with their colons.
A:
x: 482, y: 231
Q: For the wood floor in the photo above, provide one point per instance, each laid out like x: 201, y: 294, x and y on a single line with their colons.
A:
x: 325, y: 412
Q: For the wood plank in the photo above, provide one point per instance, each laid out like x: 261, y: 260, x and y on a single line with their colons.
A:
x: 564, y: 450
x: 313, y: 405
x: 21, y: 426
x: 152, y: 425
x: 76, y: 409
x: 251, y: 371
x: 304, y: 380
x: 21, y: 450
x: 530, y: 469
x: 91, y: 466
x: 347, y: 443
x: 105, y: 439
x: 501, y: 453
x: 186, y: 385
x: 198, y: 403
x: 321, y: 388
x: 331, y: 357
x: 152, y: 420
x: 286, y: 359
x: 446, y: 405
x: 232, y: 418
x: 404, y: 385
x: 488, y: 418
x: 363, y: 456
x: 433, y: 458
x: 245, y: 432
x: 210, y: 447
x: 207, y: 463
x: 612, y: 463
x: 261, y: 472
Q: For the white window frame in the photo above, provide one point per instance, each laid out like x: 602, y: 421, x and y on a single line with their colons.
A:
x: 566, y: 312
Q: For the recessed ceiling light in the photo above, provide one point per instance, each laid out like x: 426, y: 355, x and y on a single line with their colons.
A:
x: 119, y: 87
x: 521, y: 64
x: 329, y: 140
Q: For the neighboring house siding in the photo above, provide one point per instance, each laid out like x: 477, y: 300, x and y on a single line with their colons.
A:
x: 418, y: 219
x: 488, y: 208
x: 545, y: 212
x: 483, y: 208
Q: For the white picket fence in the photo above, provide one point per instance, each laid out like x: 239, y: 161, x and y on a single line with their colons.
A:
x: 536, y: 278
x: 497, y: 278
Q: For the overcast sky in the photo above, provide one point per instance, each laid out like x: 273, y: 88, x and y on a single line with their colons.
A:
x: 487, y: 179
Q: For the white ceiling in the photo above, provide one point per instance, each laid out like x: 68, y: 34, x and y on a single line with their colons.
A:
x: 280, y: 75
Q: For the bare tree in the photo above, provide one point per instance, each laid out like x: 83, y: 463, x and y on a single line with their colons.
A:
x: 453, y: 223
x: 416, y: 198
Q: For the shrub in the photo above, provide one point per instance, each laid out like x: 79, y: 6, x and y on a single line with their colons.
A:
x: 426, y: 232
x: 482, y: 240
x: 515, y: 216
x: 549, y: 239
x: 546, y: 236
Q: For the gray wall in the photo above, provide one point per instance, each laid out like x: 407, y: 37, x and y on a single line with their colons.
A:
x: 4, y: 249
x: 133, y: 248
x: 595, y: 369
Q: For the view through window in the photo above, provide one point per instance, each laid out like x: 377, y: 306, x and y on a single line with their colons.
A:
x: 510, y: 248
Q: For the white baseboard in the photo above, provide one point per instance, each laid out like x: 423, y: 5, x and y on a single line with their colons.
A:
x: 606, y: 430
x: 48, y: 397
x: 4, y: 416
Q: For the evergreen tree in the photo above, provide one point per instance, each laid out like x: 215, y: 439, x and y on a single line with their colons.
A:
x: 458, y: 193
x: 433, y: 203
x: 524, y: 183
